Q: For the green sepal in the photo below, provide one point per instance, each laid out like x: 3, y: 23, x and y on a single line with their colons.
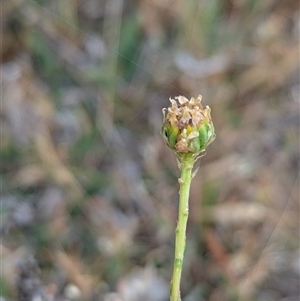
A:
x: 203, y: 137
x: 170, y: 134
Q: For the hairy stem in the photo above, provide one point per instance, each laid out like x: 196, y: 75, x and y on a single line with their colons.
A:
x: 187, y: 163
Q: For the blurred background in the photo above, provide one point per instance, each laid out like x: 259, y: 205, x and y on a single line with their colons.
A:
x: 89, y: 190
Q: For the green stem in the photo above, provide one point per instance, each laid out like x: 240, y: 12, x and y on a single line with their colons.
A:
x: 187, y: 163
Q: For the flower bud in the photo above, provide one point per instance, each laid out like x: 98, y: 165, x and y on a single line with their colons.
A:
x: 187, y: 126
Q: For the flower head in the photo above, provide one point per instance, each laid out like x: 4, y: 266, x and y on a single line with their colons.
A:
x: 187, y: 126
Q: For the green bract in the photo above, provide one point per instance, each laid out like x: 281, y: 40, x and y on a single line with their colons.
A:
x: 187, y: 126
